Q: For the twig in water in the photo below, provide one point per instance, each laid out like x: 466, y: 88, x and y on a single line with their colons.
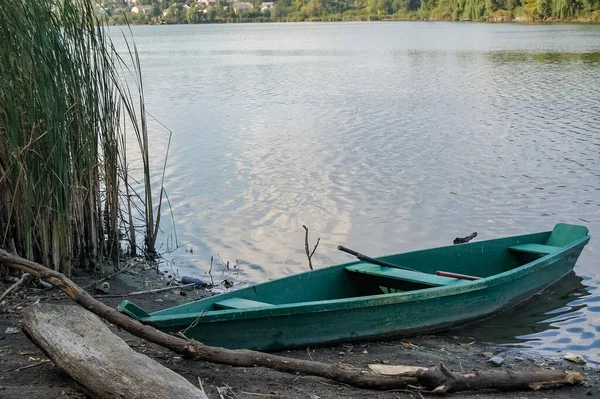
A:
x: 237, y: 265
x: 210, y: 271
x: 309, y: 254
x: 24, y: 278
x: 224, y: 264
x: 462, y: 240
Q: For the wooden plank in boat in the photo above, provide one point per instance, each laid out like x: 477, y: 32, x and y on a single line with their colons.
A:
x: 240, y: 303
x: 536, y: 249
x: 401, y: 274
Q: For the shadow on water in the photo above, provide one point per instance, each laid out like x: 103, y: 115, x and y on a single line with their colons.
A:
x: 535, y: 319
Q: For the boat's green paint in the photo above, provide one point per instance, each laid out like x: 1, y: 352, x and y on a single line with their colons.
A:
x: 536, y: 249
x: 361, y: 301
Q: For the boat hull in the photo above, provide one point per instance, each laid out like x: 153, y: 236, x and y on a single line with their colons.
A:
x: 367, y: 317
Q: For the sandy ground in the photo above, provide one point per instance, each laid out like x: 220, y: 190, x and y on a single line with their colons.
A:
x: 24, y: 374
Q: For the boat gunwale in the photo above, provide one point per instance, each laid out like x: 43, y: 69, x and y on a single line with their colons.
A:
x: 295, y: 308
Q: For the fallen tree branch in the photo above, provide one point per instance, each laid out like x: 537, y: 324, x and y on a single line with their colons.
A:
x: 428, y: 379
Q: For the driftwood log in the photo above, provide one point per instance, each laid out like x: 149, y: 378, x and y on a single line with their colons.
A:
x: 439, y: 379
x: 79, y: 343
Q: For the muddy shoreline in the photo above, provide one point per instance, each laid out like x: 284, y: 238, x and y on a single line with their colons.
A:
x: 24, y: 374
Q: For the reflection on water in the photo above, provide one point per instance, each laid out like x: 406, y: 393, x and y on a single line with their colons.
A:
x: 561, y: 317
x: 385, y: 137
x: 536, y: 316
x: 558, y: 58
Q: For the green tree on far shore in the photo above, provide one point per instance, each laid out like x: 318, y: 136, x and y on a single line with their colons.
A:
x: 347, y: 10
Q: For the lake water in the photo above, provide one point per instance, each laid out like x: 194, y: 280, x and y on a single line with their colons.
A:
x: 384, y: 137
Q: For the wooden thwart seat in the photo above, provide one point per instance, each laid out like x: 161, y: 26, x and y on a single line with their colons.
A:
x: 239, y: 303
x: 536, y: 249
x: 401, y: 274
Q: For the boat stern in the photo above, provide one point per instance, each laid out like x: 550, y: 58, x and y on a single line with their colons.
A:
x: 566, y: 234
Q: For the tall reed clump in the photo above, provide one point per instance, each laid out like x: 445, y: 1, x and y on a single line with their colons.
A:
x: 63, y: 108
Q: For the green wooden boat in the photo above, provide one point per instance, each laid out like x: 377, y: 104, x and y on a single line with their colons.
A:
x: 365, y: 301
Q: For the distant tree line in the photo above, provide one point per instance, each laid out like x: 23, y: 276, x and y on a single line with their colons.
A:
x: 177, y: 11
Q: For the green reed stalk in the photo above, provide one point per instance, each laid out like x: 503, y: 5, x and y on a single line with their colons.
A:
x: 62, y: 149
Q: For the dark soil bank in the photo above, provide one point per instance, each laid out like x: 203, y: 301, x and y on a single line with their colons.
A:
x: 25, y: 373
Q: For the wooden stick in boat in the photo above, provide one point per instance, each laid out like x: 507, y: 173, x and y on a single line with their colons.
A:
x: 368, y: 259
x: 457, y: 275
